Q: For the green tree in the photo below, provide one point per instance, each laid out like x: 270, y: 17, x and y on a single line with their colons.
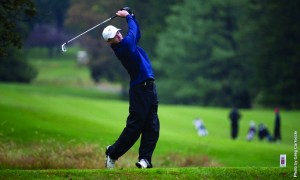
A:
x: 47, y: 27
x: 197, y: 56
x: 13, y: 65
x: 270, y: 38
x: 51, y: 12
x: 151, y: 15
x: 11, y: 14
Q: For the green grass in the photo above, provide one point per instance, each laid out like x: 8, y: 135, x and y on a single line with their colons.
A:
x: 162, y: 173
x: 63, y: 122
x: 61, y: 70
x: 30, y: 114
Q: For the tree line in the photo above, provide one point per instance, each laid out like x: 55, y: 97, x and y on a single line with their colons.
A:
x: 213, y: 53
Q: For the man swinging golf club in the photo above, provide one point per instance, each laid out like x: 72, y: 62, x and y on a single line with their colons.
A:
x: 143, y: 104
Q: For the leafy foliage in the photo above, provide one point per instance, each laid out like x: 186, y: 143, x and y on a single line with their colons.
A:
x: 274, y: 49
x: 51, y: 12
x: 151, y: 15
x: 216, y: 53
x: 47, y: 27
x: 13, y: 65
x: 11, y: 14
x: 15, y: 68
x: 197, y: 55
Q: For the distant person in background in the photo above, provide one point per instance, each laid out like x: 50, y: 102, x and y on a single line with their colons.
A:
x: 251, y: 131
x: 263, y: 132
x: 277, y: 134
x: 199, y: 125
x: 234, y: 117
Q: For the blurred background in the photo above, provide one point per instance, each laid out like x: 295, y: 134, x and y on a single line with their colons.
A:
x: 224, y: 53
x: 61, y: 109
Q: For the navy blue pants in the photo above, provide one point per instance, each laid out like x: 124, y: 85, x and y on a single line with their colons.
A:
x: 142, y: 120
x: 234, y: 130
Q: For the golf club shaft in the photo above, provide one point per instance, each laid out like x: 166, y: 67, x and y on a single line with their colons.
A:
x: 91, y: 29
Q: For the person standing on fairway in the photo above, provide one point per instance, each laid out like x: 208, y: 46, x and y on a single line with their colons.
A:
x: 234, y: 117
x: 143, y: 104
x: 277, y: 133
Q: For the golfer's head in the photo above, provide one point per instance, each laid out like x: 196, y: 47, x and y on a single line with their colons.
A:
x: 112, y: 35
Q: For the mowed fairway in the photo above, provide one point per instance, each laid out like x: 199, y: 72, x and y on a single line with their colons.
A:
x: 68, y: 126
x: 33, y: 115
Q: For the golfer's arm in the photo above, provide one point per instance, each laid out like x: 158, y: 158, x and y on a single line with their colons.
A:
x: 133, y: 30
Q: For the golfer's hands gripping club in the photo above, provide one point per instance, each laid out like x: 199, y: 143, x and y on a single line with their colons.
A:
x: 128, y: 10
x: 122, y: 13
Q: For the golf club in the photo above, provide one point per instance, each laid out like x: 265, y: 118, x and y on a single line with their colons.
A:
x: 63, y: 46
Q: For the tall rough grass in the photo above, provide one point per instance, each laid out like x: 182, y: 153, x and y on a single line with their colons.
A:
x: 51, y: 154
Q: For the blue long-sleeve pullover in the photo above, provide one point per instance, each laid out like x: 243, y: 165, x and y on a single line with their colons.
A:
x: 133, y: 57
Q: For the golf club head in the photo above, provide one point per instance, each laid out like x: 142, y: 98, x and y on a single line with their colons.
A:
x: 63, y: 47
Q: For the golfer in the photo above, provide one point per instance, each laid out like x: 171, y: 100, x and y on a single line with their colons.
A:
x: 143, y: 104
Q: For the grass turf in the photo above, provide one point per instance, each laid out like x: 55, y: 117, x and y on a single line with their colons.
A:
x: 161, y: 173
x: 61, y: 121
x: 30, y: 116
